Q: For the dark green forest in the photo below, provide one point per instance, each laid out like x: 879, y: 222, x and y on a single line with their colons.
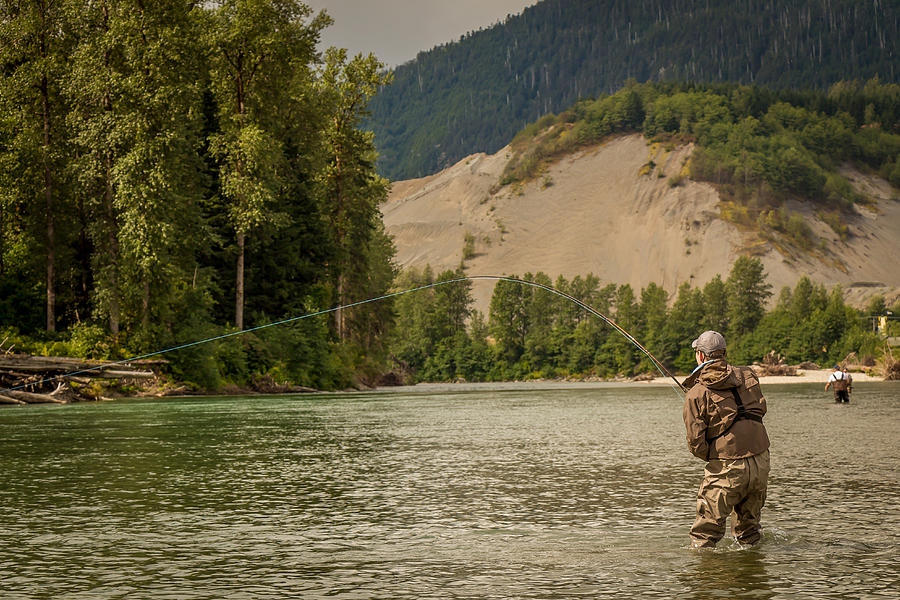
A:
x: 175, y: 170
x: 533, y: 333
x: 473, y: 95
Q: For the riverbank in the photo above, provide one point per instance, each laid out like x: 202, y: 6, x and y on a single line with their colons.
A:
x: 802, y: 376
x: 27, y: 379
x: 50, y: 380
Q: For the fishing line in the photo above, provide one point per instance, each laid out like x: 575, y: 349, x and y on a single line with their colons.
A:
x: 656, y: 363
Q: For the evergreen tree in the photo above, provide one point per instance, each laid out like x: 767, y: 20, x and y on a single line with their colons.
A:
x: 509, y: 319
x: 835, y: 322
x: 715, y: 306
x: 653, y: 317
x: 543, y: 311
x: 747, y: 292
x: 352, y: 190
x: 685, y: 323
x: 414, y: 336
x: 622, y: 352
x: 453, y: 303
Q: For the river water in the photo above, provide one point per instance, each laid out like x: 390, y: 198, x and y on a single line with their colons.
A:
x: 468, y: 491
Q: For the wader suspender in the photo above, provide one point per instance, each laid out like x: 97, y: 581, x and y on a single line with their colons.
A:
x: 741, y: 414
x: 841, y: 384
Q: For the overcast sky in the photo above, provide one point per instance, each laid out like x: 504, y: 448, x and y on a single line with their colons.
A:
x: 396, y: 30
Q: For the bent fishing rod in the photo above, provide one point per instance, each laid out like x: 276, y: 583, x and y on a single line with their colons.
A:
x: 656, y: 363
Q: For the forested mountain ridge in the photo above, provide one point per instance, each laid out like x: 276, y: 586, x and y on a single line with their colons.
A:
x: 475, y: 94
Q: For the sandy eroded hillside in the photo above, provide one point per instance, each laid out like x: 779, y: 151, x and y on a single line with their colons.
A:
x: 603, y: 211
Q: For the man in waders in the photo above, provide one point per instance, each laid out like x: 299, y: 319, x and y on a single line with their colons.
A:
x: 723, y: 412
x: 842, y: 384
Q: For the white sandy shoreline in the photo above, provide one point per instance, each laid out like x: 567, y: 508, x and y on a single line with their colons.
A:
x: 813, y: 376
x: 802, y: 376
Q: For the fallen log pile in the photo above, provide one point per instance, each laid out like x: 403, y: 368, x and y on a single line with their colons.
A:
x: 891, y: 366
x: 26, y: 379
x: 773, y: 364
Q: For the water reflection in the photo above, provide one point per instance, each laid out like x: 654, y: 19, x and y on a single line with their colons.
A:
x: 727, y: 573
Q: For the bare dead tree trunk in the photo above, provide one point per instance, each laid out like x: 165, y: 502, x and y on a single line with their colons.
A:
x: 113, y: 241
x: 48, y: 198
x: 339, y: 212
x: 239, y: 283
x: 145, y: 303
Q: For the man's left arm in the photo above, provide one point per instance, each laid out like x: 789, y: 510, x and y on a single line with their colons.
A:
x: 695, y: 425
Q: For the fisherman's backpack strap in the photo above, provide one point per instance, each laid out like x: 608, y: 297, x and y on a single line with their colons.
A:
x: 741, y: 415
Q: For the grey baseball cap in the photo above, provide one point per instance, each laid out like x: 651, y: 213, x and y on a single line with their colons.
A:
x: 709, y: 341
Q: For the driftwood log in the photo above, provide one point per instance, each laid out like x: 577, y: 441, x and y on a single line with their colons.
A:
x: 891, y: 366
x: 26, y: 379
x: 773, y: 364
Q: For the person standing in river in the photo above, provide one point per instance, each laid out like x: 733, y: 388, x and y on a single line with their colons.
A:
x: 842, y: 384
x: 723, y: 411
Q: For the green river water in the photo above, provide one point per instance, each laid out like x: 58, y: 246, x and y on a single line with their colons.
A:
x: 466, y: 491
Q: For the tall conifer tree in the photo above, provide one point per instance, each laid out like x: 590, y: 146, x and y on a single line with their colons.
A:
x: 352, y: 189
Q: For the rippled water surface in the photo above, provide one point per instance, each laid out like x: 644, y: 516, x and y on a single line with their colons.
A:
x: 540, y: 491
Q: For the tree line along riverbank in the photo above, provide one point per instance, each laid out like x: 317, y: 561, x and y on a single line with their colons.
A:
x: 529, y: 334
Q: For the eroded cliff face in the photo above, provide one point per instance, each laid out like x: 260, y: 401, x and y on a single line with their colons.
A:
x: 612, y: 212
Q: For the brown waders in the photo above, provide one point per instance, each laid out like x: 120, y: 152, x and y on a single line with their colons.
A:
x: 842, y: 389
x: 731, y: 486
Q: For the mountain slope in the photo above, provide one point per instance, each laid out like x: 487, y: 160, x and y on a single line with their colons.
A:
x: 604, y: 211
x: 474, y: 95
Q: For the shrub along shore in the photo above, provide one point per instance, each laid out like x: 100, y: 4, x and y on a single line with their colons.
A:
x: 149, y: 380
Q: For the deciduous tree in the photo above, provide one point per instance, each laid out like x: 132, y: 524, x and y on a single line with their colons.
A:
x: 34, y: 43
x: 259, y: 51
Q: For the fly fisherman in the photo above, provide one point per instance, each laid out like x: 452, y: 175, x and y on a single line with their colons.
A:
x: 842, y: 384
x: 723, y: 412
